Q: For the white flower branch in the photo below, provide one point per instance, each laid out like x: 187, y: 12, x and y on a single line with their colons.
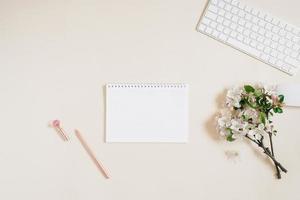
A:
x: 247, y: 113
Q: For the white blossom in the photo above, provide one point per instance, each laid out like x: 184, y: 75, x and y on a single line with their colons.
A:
x: 270, y: 89
x: 233, y: 97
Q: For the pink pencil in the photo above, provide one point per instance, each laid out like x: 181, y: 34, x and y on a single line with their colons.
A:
x: 91, y: 154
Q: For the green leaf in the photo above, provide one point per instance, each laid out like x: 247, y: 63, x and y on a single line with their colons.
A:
x: 249, y: 88
x: 268, y: 105
x: 229, y: 137
x: 249, y: 104
x: 259, y: 100
x: 242, y: 102
x: 257, y: 93
x: 262, y: 117
x: 279, y: 110
x: 281, y: 98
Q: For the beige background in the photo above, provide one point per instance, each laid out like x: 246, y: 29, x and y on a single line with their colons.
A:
x: 55, y: 58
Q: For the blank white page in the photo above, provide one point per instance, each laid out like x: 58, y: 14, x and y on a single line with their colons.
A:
x: 146, y: 113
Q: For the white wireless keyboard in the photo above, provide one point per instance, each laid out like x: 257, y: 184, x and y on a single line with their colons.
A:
x: 253, y: 32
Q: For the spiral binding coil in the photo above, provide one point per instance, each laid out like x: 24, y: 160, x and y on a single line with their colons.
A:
x: 146, y: 85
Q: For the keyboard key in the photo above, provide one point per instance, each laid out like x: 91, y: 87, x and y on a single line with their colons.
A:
x: 206, y: 21
x: 287, y: 51
x: 253, y: 35
x: 255, y: 12
x: 220, y: 20
x: 274, y: 53
x: 274, y: 45
x: 262, y: 23
x: 235, y: 2
x: 281, y: 48
x: 241, y: 6
x: 233, y: 34
x: 282, y: 32
x: 240, y: 37
x: 247, y: 33
x: 260, y: 39
x: 255, y: 20
x: 292, y: 70
x: 213, y: 9
x: 262, y: 31
x: 288, y: 28
x: 211, y: 15
x: 268, y: 34
x: 242, y: 22
x: 289, y: 36
x: 202, y: 27
x: 292, y: 61
x: 279, y: 63
x: 234, y: 10
x: 221, y: 4
x: 221, y: 12
x: 226, y: 22
x: 267, y: 42
x: 220, y: 28
x: 209, y: 30
x: 265, y: 57
x: 289, y: 44
x: 281, y: 56
x: 228, y: 15
x: 296, y: 47
x: 275, y: 29
x: 268, y: 26
x: 228, y: 7
x: 235, y: 18
x: 248, y: 25
x: 213, y: 24
x: 248, y: 9
x: 215, y: 34
x: 227, y: 31
x: 275, y: 38
x: 296, y: 31
x: 260, y: 47
x: 215, y: 2
x: 242, y: 14
x: 261, y: 15
x: 275, y: 21
x: 282, y: 41
x: 233, y: 26
x: 247, y: 41
x: 295, y: 39
x: 243, y: 47
x: 272, y: 60
x: 268, y: 18
x: 294, y: 54
x: 253, y: 43
x: 223, y: 37
x: 255, y: 28
x: 248, y: 17
x: 267, y: 50
x: 240, y: 29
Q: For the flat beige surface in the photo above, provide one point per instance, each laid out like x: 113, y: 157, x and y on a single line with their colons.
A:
x: 56, y: 56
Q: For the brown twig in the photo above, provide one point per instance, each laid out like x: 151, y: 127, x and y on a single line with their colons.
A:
x: 269, y: 154
x: 272, y: 151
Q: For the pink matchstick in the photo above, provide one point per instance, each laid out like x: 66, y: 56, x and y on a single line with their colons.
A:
x: 56, y: 125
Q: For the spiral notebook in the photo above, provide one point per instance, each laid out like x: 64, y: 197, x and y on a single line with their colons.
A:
x: 147, y: 113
